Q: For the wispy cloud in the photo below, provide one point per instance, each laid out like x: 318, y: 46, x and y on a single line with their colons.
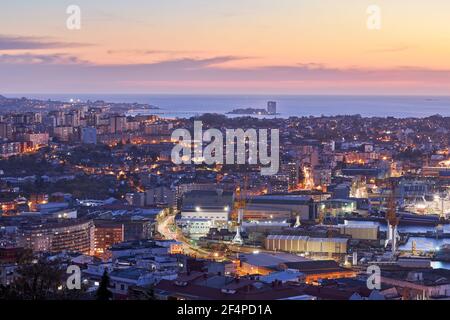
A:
x: 155, y: 52
x: 30, y: 58
x: 8, y: 42
x: 50, y: 73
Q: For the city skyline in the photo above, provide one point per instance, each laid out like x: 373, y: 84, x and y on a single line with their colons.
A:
x: 298, y: 47
x: 223, y: 156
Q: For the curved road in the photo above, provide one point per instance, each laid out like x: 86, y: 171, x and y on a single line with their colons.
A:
x: 163, y: 227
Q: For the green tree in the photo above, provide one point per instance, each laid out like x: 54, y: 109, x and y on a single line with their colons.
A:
x: 103, y: 292
x: 36, y: 281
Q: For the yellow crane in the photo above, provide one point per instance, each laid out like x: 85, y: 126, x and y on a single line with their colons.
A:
x: 391, y: 212
x: 240, y: 205
x: 392, y: 219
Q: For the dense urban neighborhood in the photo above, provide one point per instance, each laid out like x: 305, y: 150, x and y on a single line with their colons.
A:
x: 90, y: 187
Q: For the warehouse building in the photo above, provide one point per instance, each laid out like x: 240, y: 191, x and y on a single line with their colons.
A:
x: 305, y: 244
x: 360, y: 231
x: 280, y: 207
x: 315, y: 270
x: 203, y: 210
x: 264, y: 263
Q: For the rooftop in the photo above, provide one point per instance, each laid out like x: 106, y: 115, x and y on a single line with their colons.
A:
x: 287, y: 275
x: 281, y: 199
x: 271, y: 259
x: 207, y: 199
x: 315, y: 266
x: 426, y: 277
x: 135, y: 245
x: 305, y: 238
x: 198, y: 291
x: 129, y: 273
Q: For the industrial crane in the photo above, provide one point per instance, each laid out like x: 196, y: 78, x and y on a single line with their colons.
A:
x: 239, y: 207
x: 392, y: 220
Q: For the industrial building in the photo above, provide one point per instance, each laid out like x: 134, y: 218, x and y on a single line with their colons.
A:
x: 338, y: 207
x: 306, y: 244
x: 368, y: 231
x: 264, y: 227
x: 315, y: 270
x: 203, y: 210
x: 280, y: 207
x: 265, y: 263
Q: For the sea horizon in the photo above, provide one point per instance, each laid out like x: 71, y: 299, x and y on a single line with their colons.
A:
x: 288, y: 105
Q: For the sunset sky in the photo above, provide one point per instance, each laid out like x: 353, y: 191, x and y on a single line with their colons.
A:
x: 215, y: 46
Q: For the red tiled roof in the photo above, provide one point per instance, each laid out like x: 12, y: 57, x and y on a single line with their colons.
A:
x: 198, y: 292
x: 328, y: 293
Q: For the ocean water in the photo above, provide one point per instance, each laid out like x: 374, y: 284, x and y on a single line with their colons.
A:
x: 422, y: 244
x: 440, y: 265
x: 184, y: 106
x: 403, y: 228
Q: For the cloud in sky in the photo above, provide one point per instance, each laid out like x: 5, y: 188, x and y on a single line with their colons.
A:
x: 65, y: 73
x: 155, y: 52
x: 29, y: 58
x: 8, y: 42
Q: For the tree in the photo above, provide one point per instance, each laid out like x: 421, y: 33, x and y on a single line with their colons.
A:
x: 103, y: 292
x: 36, y: 281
